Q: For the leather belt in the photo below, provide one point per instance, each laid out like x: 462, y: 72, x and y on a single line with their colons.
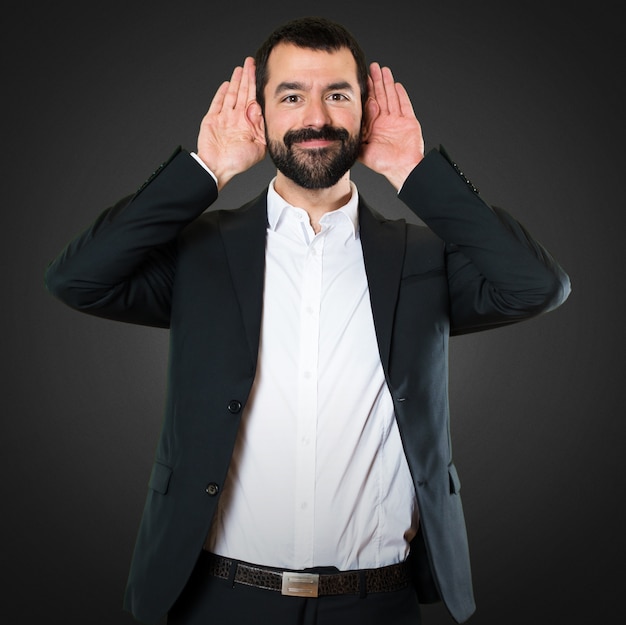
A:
x: 305, y: 584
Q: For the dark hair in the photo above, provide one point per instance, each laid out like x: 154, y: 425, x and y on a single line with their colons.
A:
x: 315, y: 33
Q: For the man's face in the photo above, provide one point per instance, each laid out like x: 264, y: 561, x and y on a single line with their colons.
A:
x: 312, y: 114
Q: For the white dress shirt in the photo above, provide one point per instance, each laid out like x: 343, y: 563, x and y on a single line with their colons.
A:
x: 318, y: 476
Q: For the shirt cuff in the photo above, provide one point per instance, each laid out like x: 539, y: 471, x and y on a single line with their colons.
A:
x: 204, y: 165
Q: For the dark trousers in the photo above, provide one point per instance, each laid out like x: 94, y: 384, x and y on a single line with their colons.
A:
x: 209, y: 600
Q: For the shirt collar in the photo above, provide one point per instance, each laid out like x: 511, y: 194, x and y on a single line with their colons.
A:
x: 276, y: 207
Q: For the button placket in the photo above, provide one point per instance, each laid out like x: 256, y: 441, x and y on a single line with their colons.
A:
x: 307, y: 400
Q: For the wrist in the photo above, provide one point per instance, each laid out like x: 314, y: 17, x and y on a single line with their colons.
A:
x: 398, y: 175
x: 205, y: 167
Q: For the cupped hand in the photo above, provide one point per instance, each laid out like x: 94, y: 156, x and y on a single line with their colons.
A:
x: 393, y: 142
x: 228, y: 143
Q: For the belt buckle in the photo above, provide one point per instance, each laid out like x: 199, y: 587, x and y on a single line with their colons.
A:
x: 300, y: 584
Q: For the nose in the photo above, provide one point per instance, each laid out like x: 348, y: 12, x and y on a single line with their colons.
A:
x: 316, y: 114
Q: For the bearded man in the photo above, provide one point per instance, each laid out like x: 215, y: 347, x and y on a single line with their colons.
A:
x: 304, y: 472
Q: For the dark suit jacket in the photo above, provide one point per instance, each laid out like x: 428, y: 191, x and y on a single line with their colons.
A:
x: 156, y: 259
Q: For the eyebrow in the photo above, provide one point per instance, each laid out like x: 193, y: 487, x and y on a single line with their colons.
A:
x: 300, y: 86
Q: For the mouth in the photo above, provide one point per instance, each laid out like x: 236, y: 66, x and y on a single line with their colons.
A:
x: 315, y: 139
x: 314, y: 144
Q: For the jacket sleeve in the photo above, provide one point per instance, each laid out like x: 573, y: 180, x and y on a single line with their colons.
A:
x: 122, y: 266
x: 497, y: 273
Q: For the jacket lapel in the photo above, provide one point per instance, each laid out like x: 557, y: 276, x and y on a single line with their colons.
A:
x: 244, y: 232
x: 383, y: 244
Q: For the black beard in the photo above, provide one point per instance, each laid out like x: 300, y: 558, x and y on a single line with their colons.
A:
x: 317, y: 168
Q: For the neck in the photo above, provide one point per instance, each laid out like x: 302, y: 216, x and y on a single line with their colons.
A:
x: 316, y: 202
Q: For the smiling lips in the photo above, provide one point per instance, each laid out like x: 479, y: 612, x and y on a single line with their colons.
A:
x: 313, y: 138
x: 315, y: 143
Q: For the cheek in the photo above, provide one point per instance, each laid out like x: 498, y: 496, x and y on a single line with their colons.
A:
x: 349, y: 120
x: 275, y: 131
x: 277, y: 122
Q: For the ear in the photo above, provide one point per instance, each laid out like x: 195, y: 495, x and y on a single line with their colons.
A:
x: 254, y: 115
x: 371, y: 110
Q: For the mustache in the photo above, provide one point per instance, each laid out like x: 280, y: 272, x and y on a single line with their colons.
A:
x: 325, y: 133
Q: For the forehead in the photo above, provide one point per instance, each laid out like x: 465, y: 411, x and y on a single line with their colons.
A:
x: 287, y: 63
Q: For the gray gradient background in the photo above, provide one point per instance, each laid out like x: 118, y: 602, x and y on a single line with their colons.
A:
x: 528, y: 98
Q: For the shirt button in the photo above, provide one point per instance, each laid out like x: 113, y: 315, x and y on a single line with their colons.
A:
x: 234, y: 406
x: 212, y: 489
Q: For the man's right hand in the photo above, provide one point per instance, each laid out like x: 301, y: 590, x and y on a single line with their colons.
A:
x: 227, y: 142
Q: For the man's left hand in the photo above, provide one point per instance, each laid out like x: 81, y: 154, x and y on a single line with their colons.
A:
x: 393, y: 142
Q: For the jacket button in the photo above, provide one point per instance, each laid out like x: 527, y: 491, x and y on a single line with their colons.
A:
x: 212, y: 489
x: 234, y: 406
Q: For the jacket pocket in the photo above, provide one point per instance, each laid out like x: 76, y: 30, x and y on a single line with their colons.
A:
x: 160, y: 478
x: 455, y: 483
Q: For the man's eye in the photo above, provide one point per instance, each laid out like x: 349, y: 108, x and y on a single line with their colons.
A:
x: 338, y: 97
x: 291, y: 98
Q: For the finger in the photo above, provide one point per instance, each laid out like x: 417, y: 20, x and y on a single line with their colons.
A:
x: 242, y: 92
x: 393, y: 103
x: 218, y: 99
x: 249, y: 67
x: 378, y: 89
x: 230, y: 99
x: 406, y: 107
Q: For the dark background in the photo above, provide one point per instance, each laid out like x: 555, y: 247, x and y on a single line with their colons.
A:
x: 528, y: 98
